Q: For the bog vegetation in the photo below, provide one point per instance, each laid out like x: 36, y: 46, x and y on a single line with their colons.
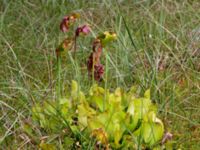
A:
x: 99, y: 75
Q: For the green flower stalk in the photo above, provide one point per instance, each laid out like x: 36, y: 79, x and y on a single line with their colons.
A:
x: 59, y: 62
x: 62, y: 49
x: 81, y: 30
x: 105, y: 39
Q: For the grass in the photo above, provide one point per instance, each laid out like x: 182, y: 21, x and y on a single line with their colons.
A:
x: 157, y: 48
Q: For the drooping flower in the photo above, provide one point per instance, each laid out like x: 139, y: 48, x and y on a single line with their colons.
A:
x: 106, y: 37
x: 67, y: 21
x: 94, y: 57
x: 81, y: 30
x: 65, y: 45
x: 96, y: 45
x: 98, y: 72
x: 93, y: 64
x: 95, y: 67
x: 85, y: 29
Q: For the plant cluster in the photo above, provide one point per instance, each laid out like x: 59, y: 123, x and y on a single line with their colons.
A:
x: 115, y: 119
x: 100, y: 118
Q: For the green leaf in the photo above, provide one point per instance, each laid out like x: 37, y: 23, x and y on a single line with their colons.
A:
x: 74, y: 88
x: 84, y: 111
x: 95, y: 123
x: 50, y: 108
x: 115, y: 126
x: 152, y: 130
x: 138, y: 132
x: 64, y: 101
x: 114, y: 103
x: 45, y: 146
x: 169, y: 145
x: 38, y: 115
x: 66, y: 109
x: 158, y: 148
x: 117, y: 134
x: 147, y: 94
x: 68, y: 142
x: 99, y: 121
x: 134, y: 121
x: 140, y: 108
x: 28, y: 129
x: 76, y: 94
x: 131, y: 108
x: 75, y: 129
x: 97, y: 97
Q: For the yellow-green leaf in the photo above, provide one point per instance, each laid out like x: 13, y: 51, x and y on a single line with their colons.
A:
x: 152, y: 131
x: 45, y: 146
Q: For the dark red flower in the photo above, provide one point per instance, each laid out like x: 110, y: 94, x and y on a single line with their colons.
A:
x: 93, y: 64
x: 85, y: 29
x: 67, y: 21
x: 98, y: 72
x: 94, y: 67
x: 64, y: 25
x: 64, y: 46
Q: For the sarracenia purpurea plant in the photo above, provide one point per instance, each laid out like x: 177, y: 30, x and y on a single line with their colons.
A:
x: 100, y: 118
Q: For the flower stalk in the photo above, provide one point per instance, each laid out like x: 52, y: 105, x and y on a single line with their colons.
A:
x: 59, y: 70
